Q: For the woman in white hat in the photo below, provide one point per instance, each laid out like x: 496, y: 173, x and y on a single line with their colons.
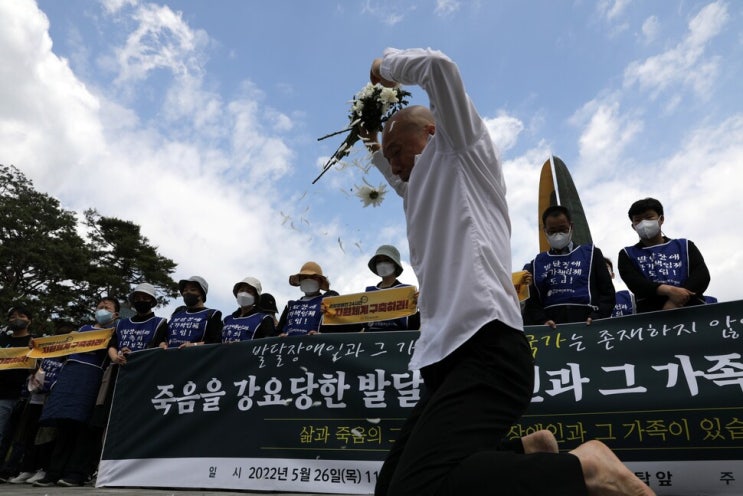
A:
x: 386, y: 264
x: 141, y: 331
x: 248, y: 321
x: 303, y: 316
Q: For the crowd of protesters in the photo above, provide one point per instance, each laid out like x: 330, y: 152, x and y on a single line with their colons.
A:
x: 52, y: 419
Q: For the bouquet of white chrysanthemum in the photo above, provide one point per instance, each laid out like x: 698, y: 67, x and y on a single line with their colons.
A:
x: 370, y: 109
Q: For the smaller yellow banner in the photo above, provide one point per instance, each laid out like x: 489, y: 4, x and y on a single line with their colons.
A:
x: 16, y: 358
x: 67, y: 344
x: 521, y: 281
x: 371, y: 306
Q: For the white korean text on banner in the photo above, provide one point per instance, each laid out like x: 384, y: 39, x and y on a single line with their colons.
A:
x: 319, y: 413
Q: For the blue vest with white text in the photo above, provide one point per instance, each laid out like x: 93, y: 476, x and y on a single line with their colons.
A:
x: 625, y: 304
x: 241, y: 328
x: 564, y: 279
x: 96, y: 358
x: 188, y: 327
x: 667, y: 263
x: 137, y: 335
x: 303, y: 316
x: 51, y: 368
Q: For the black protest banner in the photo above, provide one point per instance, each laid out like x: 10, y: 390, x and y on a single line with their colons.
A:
x: 318, y: 413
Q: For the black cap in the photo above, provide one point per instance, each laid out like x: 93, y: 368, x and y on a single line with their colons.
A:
x: 20, y: 309
x: 267, y: 303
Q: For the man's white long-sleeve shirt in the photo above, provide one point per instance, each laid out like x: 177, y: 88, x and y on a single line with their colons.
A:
x: 455, y: 207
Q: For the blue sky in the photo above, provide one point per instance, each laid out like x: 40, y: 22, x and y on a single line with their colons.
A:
x: 199, y: 120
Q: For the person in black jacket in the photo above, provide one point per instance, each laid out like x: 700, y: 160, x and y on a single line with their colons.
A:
x: 570, y: 282
x: 663, y: 273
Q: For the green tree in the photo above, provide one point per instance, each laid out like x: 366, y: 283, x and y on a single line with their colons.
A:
x: 47, y: 265
x: 121, y: 258
x: 42, y: 257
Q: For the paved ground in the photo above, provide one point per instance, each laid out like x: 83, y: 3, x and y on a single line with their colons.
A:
x: 28, y: 490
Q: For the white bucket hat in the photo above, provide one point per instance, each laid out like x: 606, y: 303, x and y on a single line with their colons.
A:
x: 198, y: 280
x: 250, y: 281
x: 145, y: 288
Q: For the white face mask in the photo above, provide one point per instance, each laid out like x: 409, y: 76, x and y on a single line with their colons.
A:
x: 558, y: 241
x: 309, y: 286
x: 647, y: 229
x: 385, y: 269
x: 245, y: 299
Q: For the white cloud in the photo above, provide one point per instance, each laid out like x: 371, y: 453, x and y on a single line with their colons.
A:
x: 650, y: 29
x: 389, y: 12
x: 446, y: 7
x: 198, y: 179
x: 162, y: 40
x: 504, y: 130
x: 684, y: 65
x: 113, y: 6
x: 611, y: 10
x: 606, y: 135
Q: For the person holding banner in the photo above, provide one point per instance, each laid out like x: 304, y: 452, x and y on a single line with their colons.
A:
x: 141, y: 331
x: 12, y: 380
x: 570, y: 281
x: 194, y: 323
x: 472, y: 353
x: 248, y: 321
x: 70, y: 405
x: 386, y: 264
x: 663, y: 273
x: 304, y: 316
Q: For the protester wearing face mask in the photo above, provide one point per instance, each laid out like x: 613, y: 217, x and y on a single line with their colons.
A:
x: 386, y: 264
x: 663, y: 273
x: 194, y: 323
x: 248, y: 321
x: 70, y: 405
x: 141, y: 331
x: 12, y: 380
x: 304, y: 316
x: 570, y: 282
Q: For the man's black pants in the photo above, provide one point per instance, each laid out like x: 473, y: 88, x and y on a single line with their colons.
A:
x: 450, y: 443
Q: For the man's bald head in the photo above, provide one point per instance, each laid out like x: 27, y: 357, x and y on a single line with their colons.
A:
x: 405, y: 135
x: 415, y: 116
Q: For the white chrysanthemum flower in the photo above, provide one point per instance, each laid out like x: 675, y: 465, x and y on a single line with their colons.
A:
x: 371, y: 195
x: 357, y: 107
x: 388, y: 96
x: 366, y: 91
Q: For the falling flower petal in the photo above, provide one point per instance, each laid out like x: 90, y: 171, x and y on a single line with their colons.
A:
x: 371, y: 195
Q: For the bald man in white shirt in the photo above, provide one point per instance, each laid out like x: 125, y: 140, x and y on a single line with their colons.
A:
x: 472, y: 353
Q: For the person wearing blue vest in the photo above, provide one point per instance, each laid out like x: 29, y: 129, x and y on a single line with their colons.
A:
x: 625, y: 301
x: 70, y: 406
x: 141, y: 331
x: 571, y: 282
x: 194, y: 323
x: 472, y: 353
x: 249, y: 321
x: 304, y: 316
x: 663, y: 273
x: 386, y: 264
